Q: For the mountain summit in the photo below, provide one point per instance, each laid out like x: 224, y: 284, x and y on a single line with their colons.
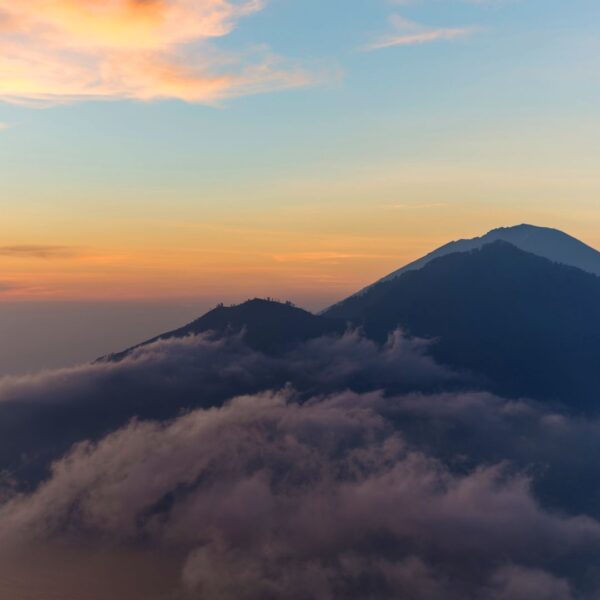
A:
x: 266, y: 325
x: 545, y: 242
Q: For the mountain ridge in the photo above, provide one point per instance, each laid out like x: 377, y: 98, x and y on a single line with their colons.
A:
x: 267, y: 325
x: 529, y: 325
x: 496, y: 311
x: 546, y: 242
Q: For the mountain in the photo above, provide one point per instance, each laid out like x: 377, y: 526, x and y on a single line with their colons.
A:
x: 266, y: 325
x: 526, y: 325
x: 552, y: 244
x: 529, y: 325
x: 107, y: 395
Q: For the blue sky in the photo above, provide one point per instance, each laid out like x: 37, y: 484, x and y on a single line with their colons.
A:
x: 493, y: 123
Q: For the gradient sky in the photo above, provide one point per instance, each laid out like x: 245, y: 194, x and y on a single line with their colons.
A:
x: 166, y: 149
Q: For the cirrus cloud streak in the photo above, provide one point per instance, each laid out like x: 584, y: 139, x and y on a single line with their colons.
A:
x: 409, y: 33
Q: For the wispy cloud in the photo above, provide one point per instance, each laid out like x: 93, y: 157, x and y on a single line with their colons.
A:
x: 416, y: 206
x: 409, y: 33
x: 8, y: 286
x: 39, y: 251
x: 323, y: 256
x: 67, y: 50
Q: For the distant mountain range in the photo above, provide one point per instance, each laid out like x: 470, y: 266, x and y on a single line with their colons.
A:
x: 519, y: 308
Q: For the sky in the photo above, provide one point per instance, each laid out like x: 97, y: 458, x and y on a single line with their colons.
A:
x: 183, y: 152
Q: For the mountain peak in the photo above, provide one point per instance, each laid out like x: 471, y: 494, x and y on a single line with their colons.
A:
x: 529, y: 325
x: 526, y: 229
x: 545, y: 242
x: 267, y: 325
x: 523, y: 226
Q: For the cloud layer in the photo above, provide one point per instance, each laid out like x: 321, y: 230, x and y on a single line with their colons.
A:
x: 38, y: 251
x: 268, y: 498
x: 66, y: 50
x: 338, y: 470
x: 160, y: 380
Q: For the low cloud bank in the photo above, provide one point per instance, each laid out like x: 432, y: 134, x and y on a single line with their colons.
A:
x: 267, y: 498
x: 341, y: 470
x: 58, y: 408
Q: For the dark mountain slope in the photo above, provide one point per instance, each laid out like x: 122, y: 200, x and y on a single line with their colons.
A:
x: 546, y: 242
x: 267, y: 326
x: 529, y: 325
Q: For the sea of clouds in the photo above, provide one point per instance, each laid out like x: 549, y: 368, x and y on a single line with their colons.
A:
x: 199, y: 468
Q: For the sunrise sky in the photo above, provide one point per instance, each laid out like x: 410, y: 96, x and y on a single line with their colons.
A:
x: 300, y: 149
x: 199, y: 399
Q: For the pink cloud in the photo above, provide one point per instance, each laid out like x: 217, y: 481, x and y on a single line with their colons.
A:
x: 67, y: 50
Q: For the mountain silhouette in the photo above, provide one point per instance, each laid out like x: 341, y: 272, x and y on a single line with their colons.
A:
x: 529, y: 325
x: 167, y: 386
x: 525, y: 325
x: 515, y: 323
x: 266, y: 325
x: 552, y: 244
